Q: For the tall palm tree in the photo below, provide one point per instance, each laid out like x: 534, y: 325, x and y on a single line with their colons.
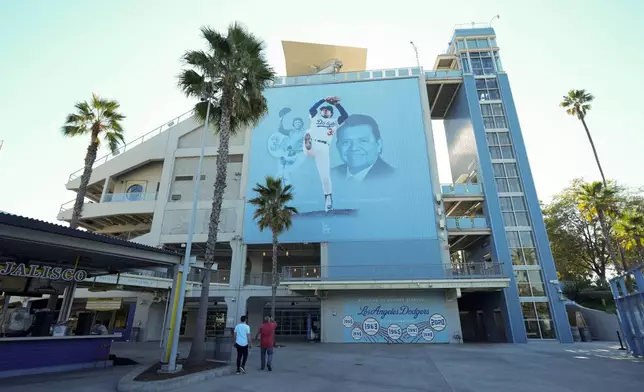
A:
x: 235, y: 72
x: 577, y: 103
x: 599, y: 201
x: 99, y: 118
x: 630, y: 228
x: 272, y: 212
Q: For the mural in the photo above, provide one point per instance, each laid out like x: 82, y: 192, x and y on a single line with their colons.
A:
x: 395, y: 321
x: 356, y: 156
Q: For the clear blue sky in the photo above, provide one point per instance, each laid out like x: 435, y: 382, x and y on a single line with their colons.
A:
x: 55, y: 53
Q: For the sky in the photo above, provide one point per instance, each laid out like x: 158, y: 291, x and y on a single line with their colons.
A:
x: 56, y: 53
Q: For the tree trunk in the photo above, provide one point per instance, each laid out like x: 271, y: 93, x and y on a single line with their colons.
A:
x: 275, y: 276
x: 198, y: 349
x: 622, y: 256
x: 640, y: 249
x: 607, y: 238
x: 592, y: 144
x: 90, y: 158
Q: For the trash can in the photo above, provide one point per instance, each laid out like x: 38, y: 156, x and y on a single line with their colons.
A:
x: 224, y: 346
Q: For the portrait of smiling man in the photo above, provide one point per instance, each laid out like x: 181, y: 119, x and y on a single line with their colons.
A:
x: 360, y: 145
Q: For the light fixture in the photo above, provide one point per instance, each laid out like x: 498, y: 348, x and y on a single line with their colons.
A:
x: 287, y: 252
x: 263, y: 253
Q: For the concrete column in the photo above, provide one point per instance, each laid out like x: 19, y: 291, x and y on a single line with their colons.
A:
x: 324, y: 260
x: 237, y: 264
x: 255, y: 313
x: 236, y: 308
x: 106, y: 187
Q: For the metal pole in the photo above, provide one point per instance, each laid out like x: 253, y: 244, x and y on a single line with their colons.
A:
x: 165, y: 317
x: 415, y: 51
x: 174, y: 340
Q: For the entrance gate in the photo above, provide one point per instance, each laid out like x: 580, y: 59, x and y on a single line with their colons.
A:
x: 628, y: 293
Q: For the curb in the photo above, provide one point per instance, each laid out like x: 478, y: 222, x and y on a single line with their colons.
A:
x: 127, y: 383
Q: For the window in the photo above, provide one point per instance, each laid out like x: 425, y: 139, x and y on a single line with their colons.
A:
x: 465, y: 65
x: 507, y: 177
x: 515, y: 211
x: 188, y: 178
x: 522, y: 247
x: 134, y: 192
x: 538, y: 320
x: 500, y: 145
x: 460, y: 44
x: 482, y: 63
x: 493, y: 115
x: 478, y: 43
x: 529, y: 283
x: 487, y: 89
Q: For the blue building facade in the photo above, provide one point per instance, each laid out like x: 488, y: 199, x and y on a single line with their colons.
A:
x: 400, y: 257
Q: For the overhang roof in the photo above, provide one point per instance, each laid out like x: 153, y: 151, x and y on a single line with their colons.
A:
x: 302, y: 57
x: 38, y: 242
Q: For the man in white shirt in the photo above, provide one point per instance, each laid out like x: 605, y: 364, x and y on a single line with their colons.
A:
x: 241, y: 337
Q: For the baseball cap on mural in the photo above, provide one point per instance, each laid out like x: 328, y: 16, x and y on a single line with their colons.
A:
x: 328, y: 107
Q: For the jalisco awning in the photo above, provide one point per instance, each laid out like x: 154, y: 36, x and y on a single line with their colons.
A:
x: 30, y: 241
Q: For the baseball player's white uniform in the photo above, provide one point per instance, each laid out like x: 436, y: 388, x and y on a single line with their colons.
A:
x: 317, y: 141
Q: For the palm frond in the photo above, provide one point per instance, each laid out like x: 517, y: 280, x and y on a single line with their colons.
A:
x: 271, y: 208
x: 73, y: 130
x: 114, y: 141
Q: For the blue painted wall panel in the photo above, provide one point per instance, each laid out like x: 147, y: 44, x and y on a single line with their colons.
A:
x: 377, y: 260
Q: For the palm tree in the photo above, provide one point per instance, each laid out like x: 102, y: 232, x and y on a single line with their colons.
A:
x: 235, y: 72
x: 599, y: 201
x: 272, y: 212
x: 577, y: 103
x: 99, y: 119
x: 630, y: 228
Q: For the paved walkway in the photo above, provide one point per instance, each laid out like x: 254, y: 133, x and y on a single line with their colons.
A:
x: 538, y: 366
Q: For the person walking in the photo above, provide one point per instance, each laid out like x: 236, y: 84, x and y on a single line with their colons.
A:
x: 267, y: 342
x: 241, y: 337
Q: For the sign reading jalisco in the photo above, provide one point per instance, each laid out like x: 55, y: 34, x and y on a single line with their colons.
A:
x: 42, y: 271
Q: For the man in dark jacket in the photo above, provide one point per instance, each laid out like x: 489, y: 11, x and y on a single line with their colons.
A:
x: 360, y: 145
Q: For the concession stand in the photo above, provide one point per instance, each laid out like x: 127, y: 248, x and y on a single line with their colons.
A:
x: 39, y: 258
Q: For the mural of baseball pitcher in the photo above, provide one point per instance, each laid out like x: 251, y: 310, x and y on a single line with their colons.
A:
x: 318, y: 139
x: 358, y: 161
x: 286, y: 146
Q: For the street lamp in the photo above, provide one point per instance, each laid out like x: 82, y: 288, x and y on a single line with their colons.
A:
x: 209, y: 97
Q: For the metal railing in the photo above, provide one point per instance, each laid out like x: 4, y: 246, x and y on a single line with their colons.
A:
x: 260, y: 279
x: 133, y: 143
x: 338, y: 77
x: 444, y: 74
x: 127, y: 197
x: 115, y: 198
x: 466, y: 223
x: 462, y: 189
x: 480, y: 270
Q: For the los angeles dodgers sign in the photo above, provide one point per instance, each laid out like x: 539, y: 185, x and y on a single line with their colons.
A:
x: 395, y: 320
